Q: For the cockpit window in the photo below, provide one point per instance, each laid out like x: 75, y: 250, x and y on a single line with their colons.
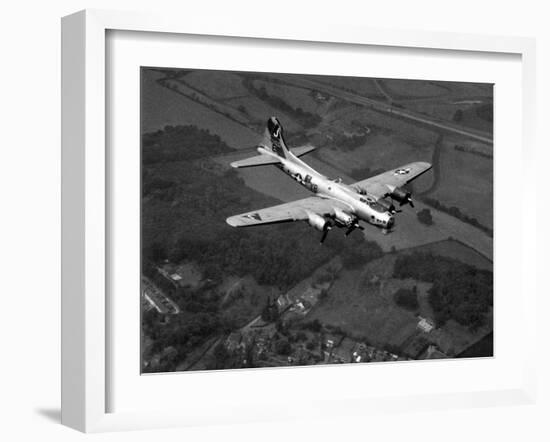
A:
x: 378, y: 207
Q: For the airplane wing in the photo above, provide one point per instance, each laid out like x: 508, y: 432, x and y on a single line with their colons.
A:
x: 302, y: 150
x: 294, y: 211
x: 380, y: 185
x: 258, y: 160
x: 262, y: 160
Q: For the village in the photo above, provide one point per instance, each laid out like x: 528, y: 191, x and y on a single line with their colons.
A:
x: 282, y: 334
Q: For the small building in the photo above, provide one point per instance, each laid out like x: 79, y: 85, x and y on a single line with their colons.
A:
x: 426, y: 325
x: 359, y: 353
x: 343, y: 353
x: 333, y: 340
x: 283, y: 302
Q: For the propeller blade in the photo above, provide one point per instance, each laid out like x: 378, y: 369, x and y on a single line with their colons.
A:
x: 350, y: 229
x: 354, y: 226
x: 408, y: 201
x: 325, y: 233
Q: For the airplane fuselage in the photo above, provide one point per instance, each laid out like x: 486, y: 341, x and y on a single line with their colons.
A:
x: 360, y: 206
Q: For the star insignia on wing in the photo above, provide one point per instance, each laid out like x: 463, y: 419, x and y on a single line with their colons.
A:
x: 402, y: 171
x: 255, y: 216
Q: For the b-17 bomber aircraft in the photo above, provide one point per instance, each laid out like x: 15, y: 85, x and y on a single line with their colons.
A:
x: 334, y: 203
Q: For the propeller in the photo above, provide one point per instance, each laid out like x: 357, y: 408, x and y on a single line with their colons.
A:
x: 393, y: 210
x: 408, y: 200
x: 325, y: 232
x: 353, y: 226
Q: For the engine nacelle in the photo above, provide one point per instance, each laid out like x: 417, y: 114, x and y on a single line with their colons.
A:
x: 342, y: 217
x: 317, y: 221
x: 387, y: 205
x: 400, y: 195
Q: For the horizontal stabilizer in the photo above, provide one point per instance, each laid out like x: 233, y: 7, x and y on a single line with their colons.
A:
x: 302, y: 150
x: 258, y: 160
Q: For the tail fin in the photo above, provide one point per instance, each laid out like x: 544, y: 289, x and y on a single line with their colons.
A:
x: 274, y: 137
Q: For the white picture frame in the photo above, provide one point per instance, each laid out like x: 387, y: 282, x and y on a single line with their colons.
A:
x: 85, y: 202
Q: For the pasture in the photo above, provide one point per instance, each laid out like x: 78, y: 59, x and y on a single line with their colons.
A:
x: 162, y: 106
x: 466, y: 181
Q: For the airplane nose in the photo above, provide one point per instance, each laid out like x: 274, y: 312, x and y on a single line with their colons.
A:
x: 391, y: 222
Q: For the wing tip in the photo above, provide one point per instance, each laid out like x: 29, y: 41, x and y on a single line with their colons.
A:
x: 232, y: 221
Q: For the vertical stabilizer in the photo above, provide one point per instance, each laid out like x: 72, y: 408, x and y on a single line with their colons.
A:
x: 275, y: 140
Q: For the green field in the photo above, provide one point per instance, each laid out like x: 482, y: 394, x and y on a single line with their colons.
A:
x: 162, y: 107
x: 217, y: 84
x: 456, y: 250
x: 362, y: 86
x: 409, y: 89
x: 295, y: 96
x: 470, y: 173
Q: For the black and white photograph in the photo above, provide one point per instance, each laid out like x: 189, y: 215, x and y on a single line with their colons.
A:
x: 243, y: 221
x: 303, y: 219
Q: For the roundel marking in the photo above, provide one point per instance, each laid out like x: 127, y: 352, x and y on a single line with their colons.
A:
x: 402, y: 171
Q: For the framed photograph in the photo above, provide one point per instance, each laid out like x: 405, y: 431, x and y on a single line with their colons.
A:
x: 264, y: 224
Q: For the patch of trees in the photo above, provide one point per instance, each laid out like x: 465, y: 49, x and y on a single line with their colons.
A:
x: 358, y: 252
x: 458, y: 116
x: 177, y: 143
x: 270, y: 312
x: 485, y: 112
x: 343, y: 141
x: 407, y: 298
x: 455, y: 211
x: 153, y: 184
x: 306, y: 119
x: 425, y: 217
x: 200, y: 319
x: 282, y: 347
x: 459, y: 291
x: 225, y: 359
x: 314, y: 326
x: 280, y: 256
x: 182, y: 332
